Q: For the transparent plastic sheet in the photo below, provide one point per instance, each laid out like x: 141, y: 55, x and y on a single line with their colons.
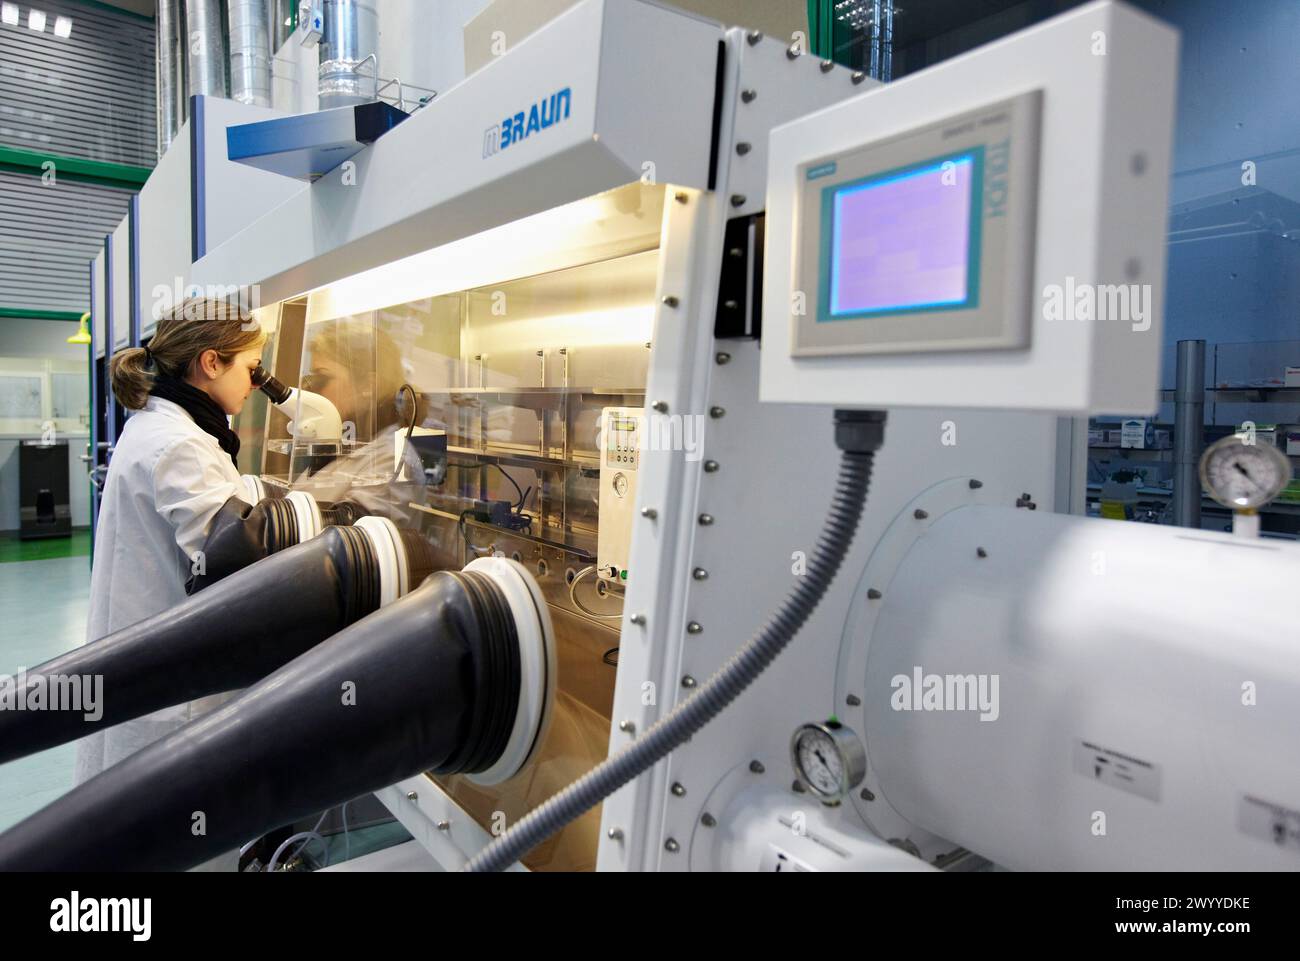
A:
x: 511, y: 376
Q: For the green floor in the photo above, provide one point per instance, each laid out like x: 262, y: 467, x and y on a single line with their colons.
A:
x: 12, y: 549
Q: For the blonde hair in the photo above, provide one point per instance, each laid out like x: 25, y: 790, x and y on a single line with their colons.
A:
x: 180, y: 339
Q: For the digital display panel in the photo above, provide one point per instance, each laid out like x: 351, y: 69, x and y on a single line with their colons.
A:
x: 904, y: 241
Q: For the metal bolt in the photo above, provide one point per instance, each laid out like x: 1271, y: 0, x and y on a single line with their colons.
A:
x: 737, y: 252
x: 981, y: 552
x: 681, y: 196
x: 708, y: 820
x: 614, y: 834
x: 793, y: 52
x: 717, y: 412
x: 755, y: 37
x: 749, y: 96
x: 706, y: 520
x: 858, y: 77
x: 688, y: 681
x: 722, y: 357
x: 731, y: 304
x: 444, y: 825
x: 828, y: 66
x: 671, y: 846
x: 738, y: 200
x: 649, y: 513
x: 919, y: 514
x: 637, y: 619
x: 661, y: 406
x: 627, y: 727
x: 798, y: 788
x: 975, y: 484
x: 700, y: 574
x: 412, y: 796
x: 853, y: 700
x: 873, y: 594
x: 756, y: 767
x: 743, y: 148
x: 694, y: 627
x: 866, y: 795
x: 678, y: 790
x: 671, y: 301
x: 711, y: 467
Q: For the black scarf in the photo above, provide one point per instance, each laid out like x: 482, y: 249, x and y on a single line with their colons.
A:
x: 207, y: 413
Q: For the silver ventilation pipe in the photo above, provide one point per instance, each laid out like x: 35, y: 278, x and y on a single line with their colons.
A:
x: 204, y: 47
x: 279, y: 22
x: 171, y: 83
x: 250, y: 52
x: 349, y: 53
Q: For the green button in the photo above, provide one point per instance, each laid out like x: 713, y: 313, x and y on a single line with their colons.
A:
x: 623, y: 575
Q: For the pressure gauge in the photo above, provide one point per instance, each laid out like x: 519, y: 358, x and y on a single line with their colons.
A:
x: 1244, y: 476
x: 829, y: 759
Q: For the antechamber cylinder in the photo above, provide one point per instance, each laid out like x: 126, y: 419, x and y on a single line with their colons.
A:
x: 1116, y: 696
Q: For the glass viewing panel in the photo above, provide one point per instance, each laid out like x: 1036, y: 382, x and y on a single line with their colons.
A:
x: 510, y: 377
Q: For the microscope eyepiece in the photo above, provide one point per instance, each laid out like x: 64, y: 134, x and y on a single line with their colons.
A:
x: 268, y: 385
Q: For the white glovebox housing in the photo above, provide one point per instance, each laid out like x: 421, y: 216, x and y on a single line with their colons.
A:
x: 880, y: 292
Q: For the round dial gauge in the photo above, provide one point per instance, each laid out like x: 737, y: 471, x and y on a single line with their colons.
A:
x: 829, y: 759
x: 1243, y: 476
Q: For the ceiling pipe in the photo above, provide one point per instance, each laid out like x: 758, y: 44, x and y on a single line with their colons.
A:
x: 205, y: 49
x: 349, y: 53
x: 170, y: 77
x: 250, y: 52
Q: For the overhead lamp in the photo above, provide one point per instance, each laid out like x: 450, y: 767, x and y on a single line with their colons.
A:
x: 82, y: 336
x: 36, y: 20
x: 63, y: 27
x: 9, y: 14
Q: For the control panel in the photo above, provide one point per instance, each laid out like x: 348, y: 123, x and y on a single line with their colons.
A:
x: 621, y: 432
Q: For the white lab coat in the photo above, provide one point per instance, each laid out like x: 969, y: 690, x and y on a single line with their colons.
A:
x: 166, y: 481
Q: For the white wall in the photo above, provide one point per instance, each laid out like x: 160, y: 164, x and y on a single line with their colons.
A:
x: 422, y: 42
x: 40, y: 338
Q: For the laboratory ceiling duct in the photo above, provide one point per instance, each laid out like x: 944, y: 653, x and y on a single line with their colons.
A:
x: 250, y: 52
x: 349, y: 53
x: 171, y: 79
x: 205, y: 49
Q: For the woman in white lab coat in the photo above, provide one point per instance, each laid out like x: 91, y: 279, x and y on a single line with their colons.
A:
x: 174, y: 466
